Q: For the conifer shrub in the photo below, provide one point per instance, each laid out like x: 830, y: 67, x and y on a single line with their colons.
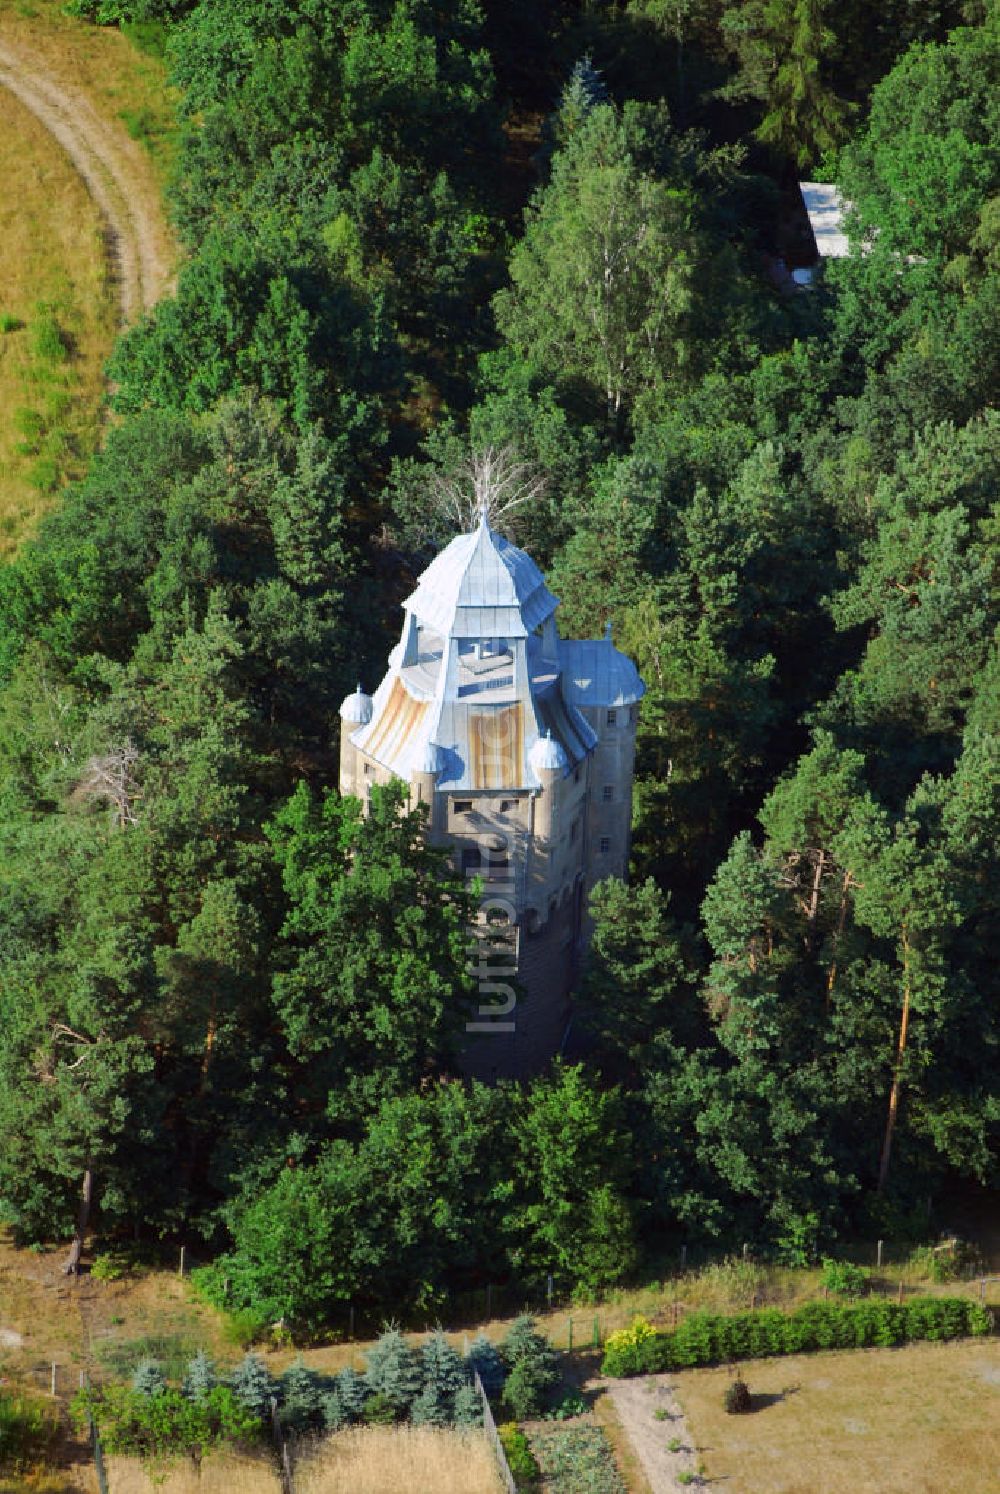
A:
x: 705, y: 1338
x: 379, y: 1411
x: 736, y: 1398
x: 394, y: 1371
x: 199, y: 1377
x: 352, y: 1393
x: 468, y: 1408
x: 484, y: 1357
x: 302, y: 1392
x: 148, y: 1378
x: 252, y: 1385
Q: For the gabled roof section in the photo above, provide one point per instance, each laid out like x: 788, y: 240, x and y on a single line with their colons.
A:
x: 482, y: 586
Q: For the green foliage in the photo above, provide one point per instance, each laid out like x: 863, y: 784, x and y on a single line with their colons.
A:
x: 702, y: 1338
x: 29, y: 1433
x: 844, y: 1279
x: 485, y: 1359
x: 578, y: 1460
x: 301, y: 1396
x: 379, y: 1411
x: 147, y: 1378
x: 468, y: 1407
x: 200, y: 1377
x: 520, y: 1458
x: 532, y: 1369
x: 166, y: 1426
x: 252, y: 1386
x: 394, y: 1371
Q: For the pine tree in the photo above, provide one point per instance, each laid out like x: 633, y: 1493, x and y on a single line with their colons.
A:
x: 301, y: 1397
x: 468, y: 1407
x: 582, y: 93
x: 252, y: 1385
x: 431, y: 1408
x: 199, y: 1377
x: 442, y: 1366
x: 394, y: 1370
x: 332, y: 1411
x: 352, y: 1393
x: 147, y: 1378
x: 484, y: 1357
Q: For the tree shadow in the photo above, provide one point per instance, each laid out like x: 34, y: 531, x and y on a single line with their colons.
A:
x: 761, y: 1402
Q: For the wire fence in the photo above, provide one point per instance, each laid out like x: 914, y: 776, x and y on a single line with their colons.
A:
x: 493, y: 1437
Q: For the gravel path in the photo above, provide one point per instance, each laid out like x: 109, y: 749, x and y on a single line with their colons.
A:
x: 635, y: 1402
x: 105, y: 157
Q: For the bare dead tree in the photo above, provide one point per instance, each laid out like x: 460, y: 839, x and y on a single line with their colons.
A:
x: 495, y: 483
x: 109, y: 778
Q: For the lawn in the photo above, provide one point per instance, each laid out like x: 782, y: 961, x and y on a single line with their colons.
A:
x: 924, y: 1418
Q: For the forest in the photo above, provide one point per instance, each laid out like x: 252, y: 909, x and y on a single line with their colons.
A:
x: 231, y: 1006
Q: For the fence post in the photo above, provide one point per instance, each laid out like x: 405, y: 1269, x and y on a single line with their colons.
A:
x: 180, y: 1270
x: 548, y: 1290
x: 878, y: 1257
x: 53, y: 1391
x: 746, y: 1250
x: 684, y: 1257
x: 493, y: 1436
x: 282, y: 1446
x: 569, y: 1344
x: 350, y: 1324
x: 102, y: 1473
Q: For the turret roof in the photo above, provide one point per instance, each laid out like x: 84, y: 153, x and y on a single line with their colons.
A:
x: 482, y: 586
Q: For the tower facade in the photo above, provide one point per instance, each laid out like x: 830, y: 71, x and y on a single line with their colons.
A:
x: 522, y: 746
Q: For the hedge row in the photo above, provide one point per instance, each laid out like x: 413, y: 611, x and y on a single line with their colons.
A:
x: 709, y: 1338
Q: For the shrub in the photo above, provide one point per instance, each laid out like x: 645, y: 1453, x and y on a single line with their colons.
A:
x: 47, y: 341
x: 704, y: 1338
x: 302, y: 1392
x: 351, y: 1392
x: 431, y: 1408
x: 244, y: 1327
x: 9, y: 323
x: 147, y: 1378
x: 484, y: 1357
x: 199, y: 1377
x: 252, y: 1385
x: 468, y: 1410
x: 520, y: 1458
x: 442, y: 1366
x: 29, y: 1433
x: 378, y: 1410
x: 157, y: 1428
x: 843, y: 1278
x: 394, y: 1370
x: 524, y: 1392
x: 736, y: 1397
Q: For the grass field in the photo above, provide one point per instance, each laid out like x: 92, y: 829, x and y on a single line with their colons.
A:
x: 924, y: 1419
x: 58, y: 309
x: 57, y: 320
x: 124, y: 82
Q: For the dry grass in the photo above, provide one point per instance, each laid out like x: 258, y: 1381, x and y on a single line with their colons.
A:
x: 386, y: 1460
x: 52, y: 269
x: 925, y: 1419
x: 219, y: 1475
x: 53, y: 258
x: 125, y: 85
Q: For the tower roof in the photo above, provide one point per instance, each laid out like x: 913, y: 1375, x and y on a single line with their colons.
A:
x: 482, y: 586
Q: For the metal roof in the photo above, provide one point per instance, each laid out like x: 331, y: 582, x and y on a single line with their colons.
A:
x: 482, y: 586
x: 826, y: 209
x: 595, y: 673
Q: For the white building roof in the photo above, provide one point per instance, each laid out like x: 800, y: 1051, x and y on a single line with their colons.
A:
x: 482, y: 586
x: 473, y: 694
x: 826, y: 209
x: 595, y: 673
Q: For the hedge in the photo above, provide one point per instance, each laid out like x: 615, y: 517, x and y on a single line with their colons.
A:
x: 710, y: 1338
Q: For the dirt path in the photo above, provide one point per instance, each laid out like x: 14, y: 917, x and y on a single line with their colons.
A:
x: 636, y: 1401
x: 105, y: 157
